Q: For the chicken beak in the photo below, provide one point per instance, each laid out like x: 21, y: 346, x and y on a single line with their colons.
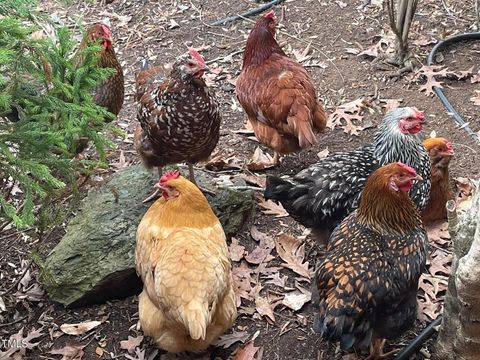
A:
x: 205, y: 68
x: 417, y: 177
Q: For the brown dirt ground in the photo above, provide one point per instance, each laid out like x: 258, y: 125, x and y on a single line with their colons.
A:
x: 331, y: 28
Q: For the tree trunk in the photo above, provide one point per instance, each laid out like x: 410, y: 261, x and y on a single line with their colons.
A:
x: 459, y: 336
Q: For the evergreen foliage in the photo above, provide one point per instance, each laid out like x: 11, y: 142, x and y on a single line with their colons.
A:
x: 46, y: 107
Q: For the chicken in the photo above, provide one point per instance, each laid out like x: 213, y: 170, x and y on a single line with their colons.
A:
x: 441, y: 152
x: 182, y: 257
x: 110, y: 93
x: 325, y: 193
x: 277, y: 93
x: 367, y: 280
x: 179, y: 116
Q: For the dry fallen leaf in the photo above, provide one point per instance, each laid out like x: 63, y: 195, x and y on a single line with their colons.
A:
x: 242, y: 281
x: 80, y: 328
x: 302, y: 56
x: 236, y: 250
x: 348, y: 112
x: 246, y: 353
x: 324, y: 153
x: 476, y: 99
x: 438, y: 232
x: 295, y: 300
x: 276, y: 279
x: 272, y: 208
x: 260, y: 161
x: 264, y: 308
x: 259, y: 255
x: 228, y: 340
x: 292, y: 251
x: 131, y: 343
x: 440, y: 263
x: 69, y: 352
x: 266, y: 241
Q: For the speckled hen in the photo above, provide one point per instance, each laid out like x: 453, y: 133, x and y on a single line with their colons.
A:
x: 367, y: 280
x: 325, y: 193
x: 178, y: 115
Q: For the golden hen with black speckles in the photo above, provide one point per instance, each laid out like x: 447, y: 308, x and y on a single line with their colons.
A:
x: 368, y: 278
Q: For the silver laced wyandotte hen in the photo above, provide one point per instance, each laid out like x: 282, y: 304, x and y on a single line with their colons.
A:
x: 178, y: 114
x: 322, y: 195
x: 367, y: 279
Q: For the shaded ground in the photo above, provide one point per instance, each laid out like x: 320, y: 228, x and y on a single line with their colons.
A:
x: 161, y: 30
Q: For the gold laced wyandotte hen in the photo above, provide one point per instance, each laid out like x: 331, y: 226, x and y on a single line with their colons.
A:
x: 367, y: 279
x: 323, y: 194
x: 277, y: 93
x: 440, y: 151
x: 182, y: 257
x: 110, y: 93
x: 178, y: 114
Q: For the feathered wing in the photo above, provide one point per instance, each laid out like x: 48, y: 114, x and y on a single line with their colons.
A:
x: 323, y: 194
x: 351, y: 284
x: 279, y: 96
x: 188, y: 298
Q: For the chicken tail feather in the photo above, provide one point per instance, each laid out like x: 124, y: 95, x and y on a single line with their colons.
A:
x: 196, y: 318
x: 300, y: 120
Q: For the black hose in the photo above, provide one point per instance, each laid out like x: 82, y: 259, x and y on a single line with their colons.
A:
x: 248, y: 13
x: 458, y: 119
x: 419, y: 340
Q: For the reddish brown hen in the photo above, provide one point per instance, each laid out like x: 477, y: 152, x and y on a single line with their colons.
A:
x: 179, y: 116
x: 440, y: 151
x: 277, y: 93
x: 109, y: 93
x: 367, y: 280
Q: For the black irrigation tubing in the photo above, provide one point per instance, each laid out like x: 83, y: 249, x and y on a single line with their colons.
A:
x: 419, y: 340
x: 458, y: 119
x: 248, y: 13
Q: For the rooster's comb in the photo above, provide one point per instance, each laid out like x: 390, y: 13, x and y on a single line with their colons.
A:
x: 407, y: 168
x: 195, y: 54
x: 270, y: 14
x: 169, y: 175
x: 106, y: 30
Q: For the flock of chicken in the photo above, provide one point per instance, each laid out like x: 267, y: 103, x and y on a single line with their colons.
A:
x: 368, y: 205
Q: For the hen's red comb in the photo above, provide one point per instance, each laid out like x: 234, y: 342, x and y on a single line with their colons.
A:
x: 418, y: 114
x: 194, y: 53
x: 407, y: 168
x: 106, y: 30
x: 270, y: 14
x: 169, y: 175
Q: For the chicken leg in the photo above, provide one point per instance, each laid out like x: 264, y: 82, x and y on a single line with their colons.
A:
x: 156, y: 193
x: 191, y: 177
x: 376, y: 350
x: 276, y: 158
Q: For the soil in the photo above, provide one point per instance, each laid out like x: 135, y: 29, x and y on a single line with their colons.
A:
x: 161, y: 30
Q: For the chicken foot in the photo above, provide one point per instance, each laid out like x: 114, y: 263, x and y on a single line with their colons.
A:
x: 157, y: 191
x: 191, y: 177
x: 376, y: 350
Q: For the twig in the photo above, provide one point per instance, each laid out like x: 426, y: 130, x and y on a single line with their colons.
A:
x: 248, y: 13
x: 223, y: 57
x: 13, y: 322
x: 243, y: 188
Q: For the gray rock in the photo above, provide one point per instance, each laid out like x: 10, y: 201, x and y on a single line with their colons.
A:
x: 94, y: 261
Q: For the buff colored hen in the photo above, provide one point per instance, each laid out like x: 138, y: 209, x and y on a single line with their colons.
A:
x: 182, y: 257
